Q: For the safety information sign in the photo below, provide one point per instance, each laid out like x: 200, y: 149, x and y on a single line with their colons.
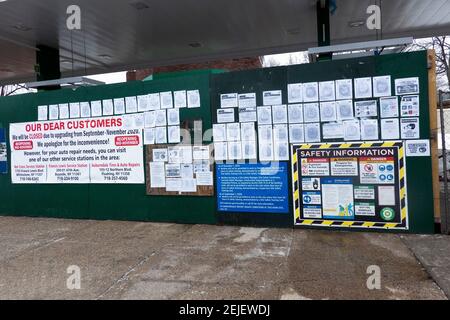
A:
x: 351, y: 185
x: 100, y: 150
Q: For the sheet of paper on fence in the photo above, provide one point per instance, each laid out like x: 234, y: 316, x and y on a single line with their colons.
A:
x: 157, y: 175
x: 42, y: 113
x: 204, y: 178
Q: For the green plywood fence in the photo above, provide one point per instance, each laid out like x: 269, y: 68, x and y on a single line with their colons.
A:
x: 129, y: 202
x: 121, y: 202
x: 419, y: 177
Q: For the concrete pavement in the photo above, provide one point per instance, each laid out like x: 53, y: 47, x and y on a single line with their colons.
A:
x: 132, y: 260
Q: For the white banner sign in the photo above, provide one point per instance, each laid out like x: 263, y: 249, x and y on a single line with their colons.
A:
x: 100, y: 150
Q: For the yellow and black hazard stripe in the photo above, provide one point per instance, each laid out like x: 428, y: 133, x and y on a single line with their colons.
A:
x: 403, y: 225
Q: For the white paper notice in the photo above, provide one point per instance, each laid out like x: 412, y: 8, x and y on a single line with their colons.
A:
x: 166, y: 100
x: 333, y: 131
x: 160, y: 155
x: 220, y: 151
x: 386, y: 196
x: 389, y: 107
x: 295, y: 93
x: 193, y: 97
x: 272, y: 98
x: 173, y: 117
x: 74, y: 109
x: 344, y: 110
x: 265, y: 133
x: 161, y: 135
x: 280, y: 133
x: 281, y: 151
x: 64, y: 112
x: 149, y: 119
x: 248, y: 131
x: 143, y: 103
x: 265, y: 151
x: 186, y: 154
x: 311, y: 92
x: 108, y: 107
x: 247, y: 114
x: 204, y: 178
x: 264, y: 115
x: 85, y: 109
x: 131, y: 104
x: 173, y: 170
x: 311, y: 112
x: 328, y: 111
x: 229, y: 100
x: 188, y: 185
x: 249, y: 150
x: 369, y: 130
x: 233, y: 132
x: 344, y: 89
x: 366, y: 109
x: 247, y: 100
x: 352, y: 130
x: 219, y: 132
x: 312, y: 132
x: 234, y: 150
x: 139, y: 120
x: 327, y: 91
x: 96, y: 108
x: 410, y: 128
x: 410, y: 106
x: 173, y: 184
x: 295, y: 113
x: 200, y: 152
x: 119, y: 106
x: 180, y: 99
x: 174, y: 134
x: 390, y: 129
x: 202, y: 166
x: 363, y: 88
x: 407, y: 86
x: 296, y: 133
x: 225, y: 115
x: 382, y: 86
x: 187, y: 171
x: 149, y: 136
x: 160, y: 118
x: 157, y: 175
x: 279, y: 114
x: 154, y: 101
x: 42, y: 113
x: 418, y: 148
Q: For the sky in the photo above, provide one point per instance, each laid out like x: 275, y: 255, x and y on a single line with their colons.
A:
x: 109, y: 78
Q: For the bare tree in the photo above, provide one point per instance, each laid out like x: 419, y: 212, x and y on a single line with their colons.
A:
x: 9, y: 90
x: 442, y: 47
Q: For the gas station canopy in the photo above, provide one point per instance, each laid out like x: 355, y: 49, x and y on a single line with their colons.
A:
x: 131, y: 34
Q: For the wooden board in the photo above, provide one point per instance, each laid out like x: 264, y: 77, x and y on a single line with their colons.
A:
x: 432, y: 88
x: 202, y: 191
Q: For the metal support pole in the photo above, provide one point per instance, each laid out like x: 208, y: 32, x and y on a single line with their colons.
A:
x: 323, y: 27
x: 445, y: 215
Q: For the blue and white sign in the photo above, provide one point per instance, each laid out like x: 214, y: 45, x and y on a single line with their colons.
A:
x: 252, y: 188
x: 3, y: 152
